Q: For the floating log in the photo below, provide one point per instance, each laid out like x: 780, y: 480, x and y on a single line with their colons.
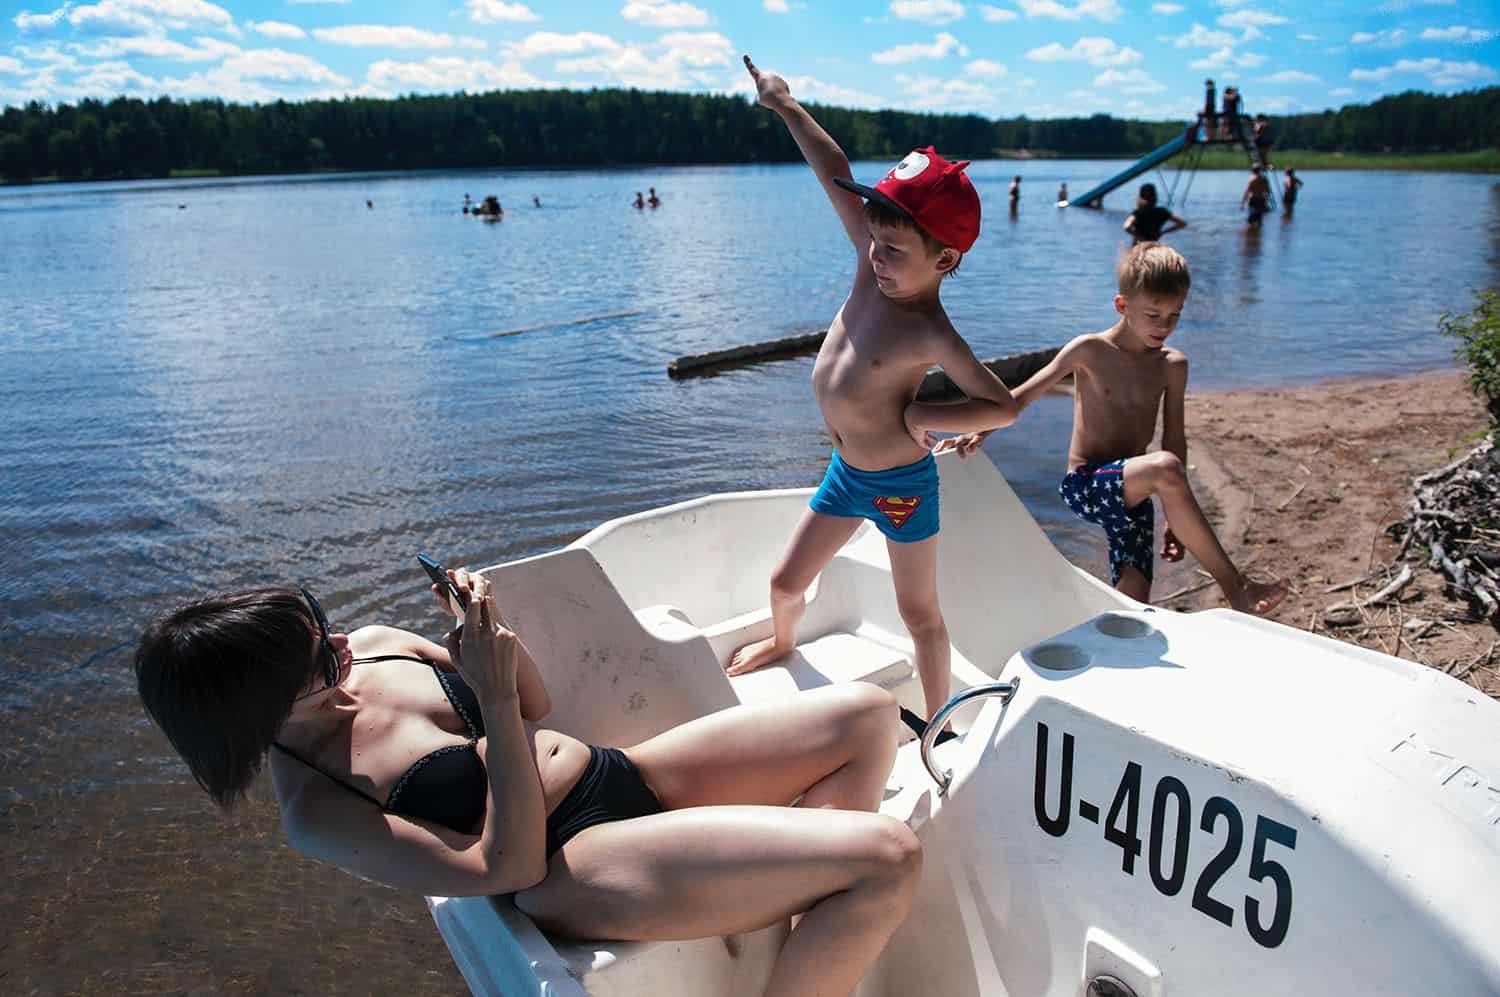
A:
x: 1013, y: 370
x: 936, y: 386
x: 703, y: 364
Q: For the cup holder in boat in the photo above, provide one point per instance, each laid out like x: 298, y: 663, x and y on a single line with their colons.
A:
x: 1059, y: 657
x: 1115, y: 625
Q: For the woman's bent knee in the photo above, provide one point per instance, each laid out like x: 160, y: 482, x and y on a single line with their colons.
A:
x: 893, y: 851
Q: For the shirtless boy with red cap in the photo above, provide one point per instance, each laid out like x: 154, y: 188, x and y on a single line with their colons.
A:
x: 909, y: 232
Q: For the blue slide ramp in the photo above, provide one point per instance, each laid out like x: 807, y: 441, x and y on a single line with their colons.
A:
x: 1152, y: 159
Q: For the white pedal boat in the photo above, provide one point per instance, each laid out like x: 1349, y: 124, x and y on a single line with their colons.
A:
x: 1167, y: 804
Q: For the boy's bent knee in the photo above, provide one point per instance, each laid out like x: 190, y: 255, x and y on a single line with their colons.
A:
x: 1167, y: 470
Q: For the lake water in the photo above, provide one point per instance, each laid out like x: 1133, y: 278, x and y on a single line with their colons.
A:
x: 219, y: 384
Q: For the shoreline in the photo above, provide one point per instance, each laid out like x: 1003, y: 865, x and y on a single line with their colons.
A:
x: 1480, y: 161
x: 1302, y: 482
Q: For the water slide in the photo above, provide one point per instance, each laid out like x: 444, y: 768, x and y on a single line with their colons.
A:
x: 1152, y: 159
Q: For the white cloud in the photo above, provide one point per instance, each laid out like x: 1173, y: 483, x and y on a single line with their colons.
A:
x: 1128, y: 81
x: 1304, y: 36
x: 928, y: 11
x: 943, y: 45
x: 924, y: 92
x: 812, y: 88
x: 775, y: 6
x: 278, y: 29
x: 664, y: 14
x: 1225, y: 57
x: 491, y: 11
x: 390, y: 36
x: 984, y: 67
x: 9, y: 65
x: 310, y: 2
x: 1167, y: 8
x: 39, y: 23
x: 1385, y: 38
x: 157, y: 47
x: 679, y: 61
x: 541, y: 43
x: 278, y: 64
x: 1468, y: 36
x: 1094, y: 51
x: 1201, y: 37
x: 1342, y: 92
x: 1291, y: 76
x: 136, y: 17
x: 1440, y: 72
x: 698, y: 48
x: 1251, y: 19
x: 447, y: 73
x: 995, y: 14
x: 1099, y: 10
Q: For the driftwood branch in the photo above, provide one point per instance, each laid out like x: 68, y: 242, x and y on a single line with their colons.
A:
x: 1345, y: 613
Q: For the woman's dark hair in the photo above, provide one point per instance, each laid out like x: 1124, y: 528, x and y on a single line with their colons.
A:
x: 218, y: 676
x: 1147, y: 196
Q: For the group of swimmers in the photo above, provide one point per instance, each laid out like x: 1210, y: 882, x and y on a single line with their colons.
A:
x: 422, y: 765
x: 490, y: 208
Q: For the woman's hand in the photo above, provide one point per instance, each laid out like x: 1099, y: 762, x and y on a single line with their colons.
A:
x: 483, y: 649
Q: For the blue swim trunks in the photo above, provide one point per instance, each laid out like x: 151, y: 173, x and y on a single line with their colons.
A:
x: 902, y: 502
x: 1096, y: 494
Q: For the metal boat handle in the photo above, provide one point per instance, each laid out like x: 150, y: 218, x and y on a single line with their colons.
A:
x: 944, y: 777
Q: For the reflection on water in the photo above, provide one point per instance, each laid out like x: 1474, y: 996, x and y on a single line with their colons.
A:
x: 276, y: 384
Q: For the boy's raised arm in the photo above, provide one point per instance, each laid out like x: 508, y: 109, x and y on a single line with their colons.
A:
x: 819, y: 149
x: 1057, y: 368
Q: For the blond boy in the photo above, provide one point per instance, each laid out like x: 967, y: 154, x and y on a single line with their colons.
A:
x: 912, y: 232
x: 1123, y: 377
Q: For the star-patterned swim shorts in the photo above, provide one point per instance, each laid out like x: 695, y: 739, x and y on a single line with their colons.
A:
x: 902, y: 502
x: 1096, y: 494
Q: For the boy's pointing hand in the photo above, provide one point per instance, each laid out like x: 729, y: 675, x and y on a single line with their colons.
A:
x: 770, y: 89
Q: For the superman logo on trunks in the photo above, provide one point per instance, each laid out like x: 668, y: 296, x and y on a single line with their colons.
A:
x: 897, y: 510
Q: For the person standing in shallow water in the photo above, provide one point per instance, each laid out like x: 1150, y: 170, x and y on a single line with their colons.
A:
x: 652, y: 199
x: 1150, y: 221
x: 1256, y: 196
x: 1015, y: 193
x: 640, y: 201
x: 1289, y: 192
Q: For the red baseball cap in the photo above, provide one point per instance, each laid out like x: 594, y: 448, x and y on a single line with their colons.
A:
x: 936, y: 195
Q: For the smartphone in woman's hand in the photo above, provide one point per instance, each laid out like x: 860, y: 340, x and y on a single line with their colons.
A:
x: 439, y: 576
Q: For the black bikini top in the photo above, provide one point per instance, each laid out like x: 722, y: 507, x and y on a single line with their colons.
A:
x: 448, y: 786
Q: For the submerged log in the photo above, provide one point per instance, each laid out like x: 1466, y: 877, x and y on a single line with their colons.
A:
x: 936, y: 386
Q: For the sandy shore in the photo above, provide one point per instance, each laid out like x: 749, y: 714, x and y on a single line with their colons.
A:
x: 1302, y: 483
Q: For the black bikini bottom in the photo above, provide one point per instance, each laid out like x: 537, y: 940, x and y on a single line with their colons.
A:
x: 610, y: 789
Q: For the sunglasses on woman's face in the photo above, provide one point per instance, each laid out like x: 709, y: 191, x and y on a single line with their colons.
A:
x: 326, y: 654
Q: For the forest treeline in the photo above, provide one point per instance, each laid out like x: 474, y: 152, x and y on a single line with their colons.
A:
x: 132, y: 138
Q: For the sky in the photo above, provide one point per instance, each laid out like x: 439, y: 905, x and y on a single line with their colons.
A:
x: 1042, y: 58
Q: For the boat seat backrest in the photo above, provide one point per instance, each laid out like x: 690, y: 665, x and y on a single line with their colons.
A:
x: 611, y: 682
x: 991, y: 613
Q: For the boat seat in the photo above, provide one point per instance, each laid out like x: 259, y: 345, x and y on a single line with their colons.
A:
x: 832, y: 658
